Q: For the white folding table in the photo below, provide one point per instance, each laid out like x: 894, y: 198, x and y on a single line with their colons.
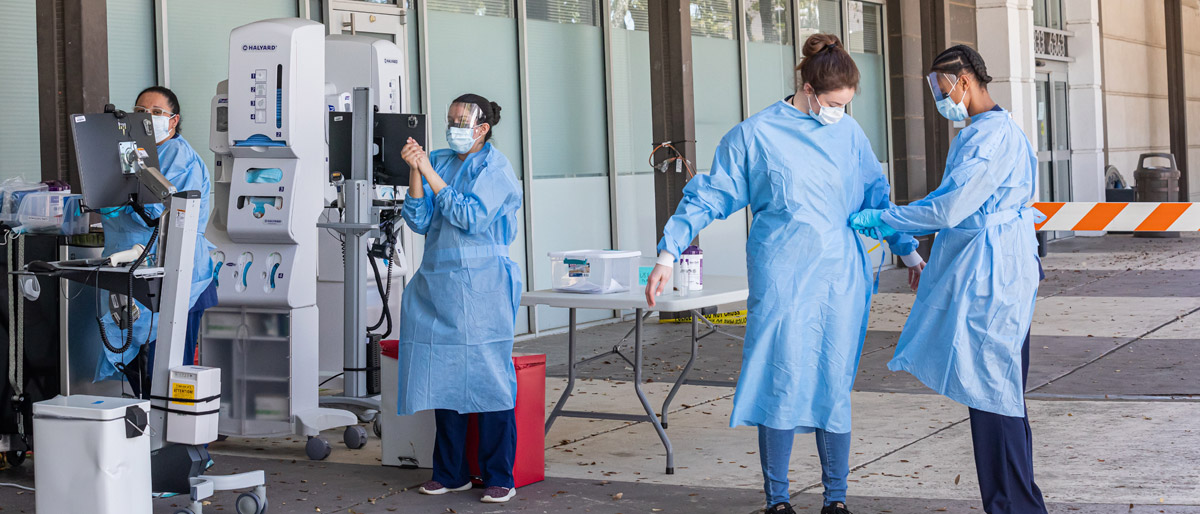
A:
x: 718, y: 290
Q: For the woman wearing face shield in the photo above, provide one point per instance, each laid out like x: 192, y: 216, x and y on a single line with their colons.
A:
x: 802, y: 168
x: 968, y: 335
x: 459, y: 311
x: 123, y: 228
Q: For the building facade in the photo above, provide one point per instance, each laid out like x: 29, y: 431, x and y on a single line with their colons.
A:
x: 1086, y: 79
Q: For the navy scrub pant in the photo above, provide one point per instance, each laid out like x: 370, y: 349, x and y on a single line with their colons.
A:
x: 497, y: 448
x: 1004, y: 458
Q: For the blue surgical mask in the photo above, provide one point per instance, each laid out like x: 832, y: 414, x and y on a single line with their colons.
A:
x: 460, y: 139
x: 950, y: 110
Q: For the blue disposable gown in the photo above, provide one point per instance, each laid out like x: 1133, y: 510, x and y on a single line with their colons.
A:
x: 809, y: 273
x: 458, y: 313
x: 975, y: 302
x: 181, y: 165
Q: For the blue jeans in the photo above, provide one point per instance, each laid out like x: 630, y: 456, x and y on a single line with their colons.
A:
x: 775, y: 453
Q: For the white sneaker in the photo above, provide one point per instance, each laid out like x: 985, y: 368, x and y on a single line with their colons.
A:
x: 498, y: 494
x: 435, y: 488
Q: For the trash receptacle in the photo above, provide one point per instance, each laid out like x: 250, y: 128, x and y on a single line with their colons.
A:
x: 1157, y: 184
x: 92, y: 454
x: 530, y: 464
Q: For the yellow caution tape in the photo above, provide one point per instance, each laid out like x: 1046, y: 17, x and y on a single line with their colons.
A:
x: 721, y: 318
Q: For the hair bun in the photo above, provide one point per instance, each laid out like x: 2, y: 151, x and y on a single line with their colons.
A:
x: 495, y: 113
x: 820, y: 42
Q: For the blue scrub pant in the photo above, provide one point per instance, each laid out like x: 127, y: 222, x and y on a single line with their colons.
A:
x: 1004, y: 458
x: 497, y: 448
x: 775, y: 453
x: 191, y: 336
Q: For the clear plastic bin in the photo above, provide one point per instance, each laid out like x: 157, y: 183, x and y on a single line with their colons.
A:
x: 594, y: 271
x: 53, y: 212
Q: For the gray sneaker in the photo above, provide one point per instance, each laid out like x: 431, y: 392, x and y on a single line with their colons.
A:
x: 434, y: 487
x: 498, y: 494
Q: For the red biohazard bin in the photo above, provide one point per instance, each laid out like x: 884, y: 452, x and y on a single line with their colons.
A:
x: 530, y: 464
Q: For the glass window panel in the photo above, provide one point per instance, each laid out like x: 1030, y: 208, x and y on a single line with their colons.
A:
x: 563, y: 11
x: 712, y: 19
x: 1054, y: 14
x: 1039, y: 13
x: 20, y: 143
x: 718, y: 109
x: 770, y: 55
x: 495, y: 75
x: 1062, y: 181
x: 633, y: 134
x: 199, y: 55
x: 818, y: 16
x: 569, y: 138
x: 132, y: 61
x: 869, y: 40
x: 1044, y: 189
x: 501, y: 8
x: 1062, y: 139
x: 869, y: 107
x: 769, y: 21
x: 629, y: 14
x: 1043, y: 115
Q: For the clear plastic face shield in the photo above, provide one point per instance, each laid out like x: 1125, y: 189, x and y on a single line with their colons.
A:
x: 936, y: 88
x: 462, y: 121
x: 463, y: 115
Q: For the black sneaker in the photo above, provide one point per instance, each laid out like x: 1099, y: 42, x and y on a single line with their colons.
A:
x: 835, y: 508
x: 780, y: 508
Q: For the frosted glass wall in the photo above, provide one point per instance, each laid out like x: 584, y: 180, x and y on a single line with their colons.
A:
x: 132, y: 61
x: 198, y: 51
x: 20, y: 150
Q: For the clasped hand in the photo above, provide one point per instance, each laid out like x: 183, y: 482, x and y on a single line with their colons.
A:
x: 869, y: 222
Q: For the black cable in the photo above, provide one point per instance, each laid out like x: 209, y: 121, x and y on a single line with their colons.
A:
x: 326, y: 381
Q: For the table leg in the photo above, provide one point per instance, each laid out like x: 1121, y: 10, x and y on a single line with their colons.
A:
x: 637, y: 386
x: 558, y: 406
x: 686, y: 369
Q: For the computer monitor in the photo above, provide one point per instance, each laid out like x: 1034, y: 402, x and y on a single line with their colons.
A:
x: 391, y: 134
x: 107, y: 148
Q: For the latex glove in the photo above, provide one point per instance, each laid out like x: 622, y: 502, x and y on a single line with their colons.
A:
x: 866, y: 218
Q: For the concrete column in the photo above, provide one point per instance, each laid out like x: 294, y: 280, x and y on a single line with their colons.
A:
x: 1005, y: 29
x: 1086, y: 100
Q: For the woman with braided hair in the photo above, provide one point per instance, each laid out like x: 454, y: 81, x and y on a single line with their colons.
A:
x: 968, y: 335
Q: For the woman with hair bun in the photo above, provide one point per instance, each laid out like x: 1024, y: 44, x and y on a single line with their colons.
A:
x: 458, y: 313
x: 802, y: 167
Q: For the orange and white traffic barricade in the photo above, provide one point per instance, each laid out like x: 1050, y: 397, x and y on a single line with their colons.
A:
x: 1120, y: 217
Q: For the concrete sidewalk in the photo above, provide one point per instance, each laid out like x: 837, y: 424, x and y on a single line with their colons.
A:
x: 1113, y: 392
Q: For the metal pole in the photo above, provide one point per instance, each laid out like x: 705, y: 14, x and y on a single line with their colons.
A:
x: 356, y: 193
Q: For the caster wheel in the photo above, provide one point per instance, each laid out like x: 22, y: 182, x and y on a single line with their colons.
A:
x: 15, y: 458
x: 184, y: 511
x: 250, y: 503
x: 377, y: 427
x: 317, y: 448
x: 355, y: 437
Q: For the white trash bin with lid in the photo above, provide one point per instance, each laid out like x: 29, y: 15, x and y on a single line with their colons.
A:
x: 92, y: 454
